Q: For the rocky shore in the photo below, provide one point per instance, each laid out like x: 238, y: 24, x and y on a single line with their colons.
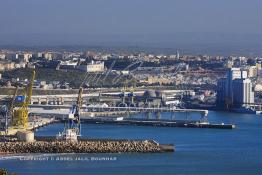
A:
x: 82, y: 147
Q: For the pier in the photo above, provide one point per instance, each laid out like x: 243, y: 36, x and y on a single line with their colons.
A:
x: 104, y: 116
x: 159, y: 123
x: 204, y: 113
x: 85, y: 146
x: 32, y: 125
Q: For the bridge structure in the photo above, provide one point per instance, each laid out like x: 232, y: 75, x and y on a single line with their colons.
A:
x: 52, y: 109
x: 149, y: 110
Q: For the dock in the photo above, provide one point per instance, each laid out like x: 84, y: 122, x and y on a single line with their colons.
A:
x: 158, y: 123
x: 32, y: 125
x: 163, y: 147
x: 85, y: 146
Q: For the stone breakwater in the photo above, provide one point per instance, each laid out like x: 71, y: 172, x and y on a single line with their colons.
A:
x: 81, y: 147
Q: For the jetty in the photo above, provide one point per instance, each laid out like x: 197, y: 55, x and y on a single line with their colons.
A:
x: 157, y: 123
x: 85, y: 146
x: 32, y: 125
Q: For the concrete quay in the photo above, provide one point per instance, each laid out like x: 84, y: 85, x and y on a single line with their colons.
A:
x: 159, y: 123
x: 87, y: 146
x: 32, y: 125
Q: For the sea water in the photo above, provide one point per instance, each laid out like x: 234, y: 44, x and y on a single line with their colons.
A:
x: 198, y: 151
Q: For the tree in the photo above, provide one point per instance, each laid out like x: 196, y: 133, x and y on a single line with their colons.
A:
x: 4, y: 172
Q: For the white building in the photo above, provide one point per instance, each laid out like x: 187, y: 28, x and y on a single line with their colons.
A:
x: 235, y: 90
x: 27, y: 56
x: 20, y: 65
x: 39, y: 54
x: 69, y: 63
x: 232, y: 74
x: 2, y: 56
x: 252, y: 71
x: 243, y: 94
x: 6, y: 66
x: 92, y: 67
x: 48, y: 56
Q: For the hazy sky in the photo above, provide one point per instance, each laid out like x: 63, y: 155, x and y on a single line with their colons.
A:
x: 88, y: 21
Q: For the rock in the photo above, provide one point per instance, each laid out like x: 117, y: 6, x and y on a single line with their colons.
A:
x: 80, y: 147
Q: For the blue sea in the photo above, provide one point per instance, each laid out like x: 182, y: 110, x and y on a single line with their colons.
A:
x: 198, y: 151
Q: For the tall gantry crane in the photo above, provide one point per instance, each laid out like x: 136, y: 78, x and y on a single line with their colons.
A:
x: 73, y: 122
x: 20, y: 113
x: 12, y: 103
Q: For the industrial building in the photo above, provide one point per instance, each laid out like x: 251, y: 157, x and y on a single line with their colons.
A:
x: 235, y: 90
x: 97, y: 66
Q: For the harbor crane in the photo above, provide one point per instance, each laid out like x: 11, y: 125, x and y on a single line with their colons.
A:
x: 72, y: 128
x: 20, y: 112
x: 74, y: 115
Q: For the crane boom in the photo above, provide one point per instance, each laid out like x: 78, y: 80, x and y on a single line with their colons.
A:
x: 29, y: 90
x: 79, y: 98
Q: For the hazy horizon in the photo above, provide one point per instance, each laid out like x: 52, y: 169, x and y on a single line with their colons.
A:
x: 163, y: 24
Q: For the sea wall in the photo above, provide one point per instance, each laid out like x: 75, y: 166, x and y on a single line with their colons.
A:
x: 82, y: 147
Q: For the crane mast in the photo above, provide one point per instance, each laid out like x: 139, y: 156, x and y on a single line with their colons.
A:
x: 20, y: 115
x: 72, y: 127
x: 11, y: 107
x: 30, y: 90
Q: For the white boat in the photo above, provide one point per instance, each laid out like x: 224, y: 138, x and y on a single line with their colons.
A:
x: 67, y: 135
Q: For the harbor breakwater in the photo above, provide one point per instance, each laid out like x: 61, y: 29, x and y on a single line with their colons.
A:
x: 146, y: 146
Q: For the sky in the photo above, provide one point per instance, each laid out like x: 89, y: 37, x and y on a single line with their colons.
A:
x: 130, y: 21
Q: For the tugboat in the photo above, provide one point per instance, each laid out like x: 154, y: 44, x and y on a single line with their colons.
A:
x: 67, y: 135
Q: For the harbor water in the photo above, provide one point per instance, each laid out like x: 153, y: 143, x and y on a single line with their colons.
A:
x: 198, y: 151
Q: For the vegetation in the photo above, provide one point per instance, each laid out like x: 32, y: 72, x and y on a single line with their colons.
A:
x: 4, y: 172
x: 73, y: 77
x: 45, y: 74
